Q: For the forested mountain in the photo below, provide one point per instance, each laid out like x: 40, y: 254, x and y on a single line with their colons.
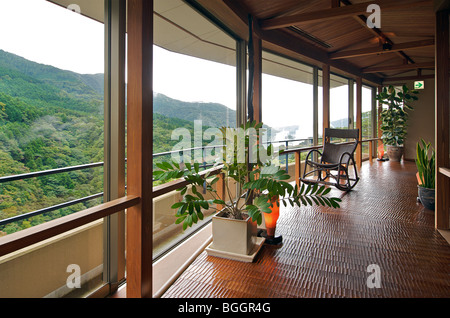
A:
x: 51, y: 118
x: 211, y: 114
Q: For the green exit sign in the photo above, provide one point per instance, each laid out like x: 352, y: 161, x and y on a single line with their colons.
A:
x: 419, y: 85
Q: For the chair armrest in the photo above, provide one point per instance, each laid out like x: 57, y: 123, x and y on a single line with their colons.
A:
x: 350, y: 156
x: 312, y: 151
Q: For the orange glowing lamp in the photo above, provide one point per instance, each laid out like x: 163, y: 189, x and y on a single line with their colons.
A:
x: 380, y: 151
x: 271, y: 219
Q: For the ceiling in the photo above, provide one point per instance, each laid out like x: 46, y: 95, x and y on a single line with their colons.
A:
x: 336, y: 32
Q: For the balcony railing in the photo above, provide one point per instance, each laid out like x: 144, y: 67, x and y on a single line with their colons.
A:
x: 205, y: 165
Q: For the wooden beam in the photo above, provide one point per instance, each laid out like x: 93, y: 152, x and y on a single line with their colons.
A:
x: 316, y: 55
x: 398, y: 67
x: 408, y: 78
x: 362, y: 19
x: 379, y: 50
x: 140, y: 148
x: 441, y: 5
x: 442, y: 140
x: 333, y: 13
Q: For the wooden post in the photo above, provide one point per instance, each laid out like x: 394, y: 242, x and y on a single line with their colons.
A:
x: 298, y: 168
x: 380, y: 110
x: 326, y: 98
x: 442, y: 120
x: 140, y: 148
x: 257, y: 80
x: 358, y: 153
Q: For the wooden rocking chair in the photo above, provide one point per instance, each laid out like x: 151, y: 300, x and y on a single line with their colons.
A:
x: 333, y: 165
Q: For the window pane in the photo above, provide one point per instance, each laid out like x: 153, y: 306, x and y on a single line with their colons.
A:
x: 366, y: 118
x: 339, y: 102
x: 194, y: 95
x: 287, y: 99
x: 51, y: 117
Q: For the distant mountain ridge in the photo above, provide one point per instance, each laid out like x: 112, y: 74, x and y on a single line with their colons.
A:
x: 211, y: 114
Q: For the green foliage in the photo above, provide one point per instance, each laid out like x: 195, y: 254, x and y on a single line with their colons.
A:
x: 256, y: 175
x: 394, y: 117
x: 49, y: 119
x: 211, y: 114
x: 426, y: 162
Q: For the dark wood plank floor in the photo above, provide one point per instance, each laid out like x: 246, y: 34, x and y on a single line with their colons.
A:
x: 326, y: 252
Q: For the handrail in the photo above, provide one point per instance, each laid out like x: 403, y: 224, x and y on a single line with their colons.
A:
x: 445, y: 171
x: 49, y: 172
x: 293, y: 150
x: 179, y: 183
x: 25, y: 216
x: 16, y: 241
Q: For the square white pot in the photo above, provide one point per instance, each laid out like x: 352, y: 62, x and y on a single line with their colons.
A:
x: 234, y: 236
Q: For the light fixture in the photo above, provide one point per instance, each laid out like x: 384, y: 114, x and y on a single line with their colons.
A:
x: 270, y: 221
x: 381, y: 153
x: 387, y: 46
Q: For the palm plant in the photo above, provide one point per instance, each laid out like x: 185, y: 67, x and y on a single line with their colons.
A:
x: 257, y: 178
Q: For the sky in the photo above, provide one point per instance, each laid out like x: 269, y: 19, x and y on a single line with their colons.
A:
x: 43, y: 32
x: 49, y: 34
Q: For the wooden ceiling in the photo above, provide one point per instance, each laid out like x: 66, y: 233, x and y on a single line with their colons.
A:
x: 336, y: 32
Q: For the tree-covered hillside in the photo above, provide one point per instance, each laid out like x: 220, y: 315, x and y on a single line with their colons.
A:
x: 211, y: 114
x: 51, y: 118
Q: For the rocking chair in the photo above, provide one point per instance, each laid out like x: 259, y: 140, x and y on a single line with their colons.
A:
x: 334, y: 167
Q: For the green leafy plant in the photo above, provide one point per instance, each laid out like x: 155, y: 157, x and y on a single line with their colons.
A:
x: 426, y: 162
x: 257, y: 180
x: 395, y: 117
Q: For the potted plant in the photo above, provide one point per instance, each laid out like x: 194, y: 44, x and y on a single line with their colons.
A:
x: 425, y: 162
x: 257, y: 181
x: 394, y: 118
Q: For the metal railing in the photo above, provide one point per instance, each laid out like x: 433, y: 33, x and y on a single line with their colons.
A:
x: 30, y: 175
x: 37, y: 174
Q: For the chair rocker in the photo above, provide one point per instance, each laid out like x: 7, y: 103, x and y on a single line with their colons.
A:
x: 333, y: 165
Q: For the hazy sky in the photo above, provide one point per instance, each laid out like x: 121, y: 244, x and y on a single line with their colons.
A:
x: 49, y: 34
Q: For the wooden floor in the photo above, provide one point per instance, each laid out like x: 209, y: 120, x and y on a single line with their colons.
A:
x: 326, y: 252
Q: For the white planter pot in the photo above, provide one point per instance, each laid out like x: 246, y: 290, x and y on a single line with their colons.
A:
x: 234, y: 236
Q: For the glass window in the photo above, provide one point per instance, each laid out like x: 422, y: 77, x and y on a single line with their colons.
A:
x: 51, y: 117
x: 287, y: 102
x: 194, y: 95
x: 367, y: 120
x: 339, y: 102
x: 51, y: 108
